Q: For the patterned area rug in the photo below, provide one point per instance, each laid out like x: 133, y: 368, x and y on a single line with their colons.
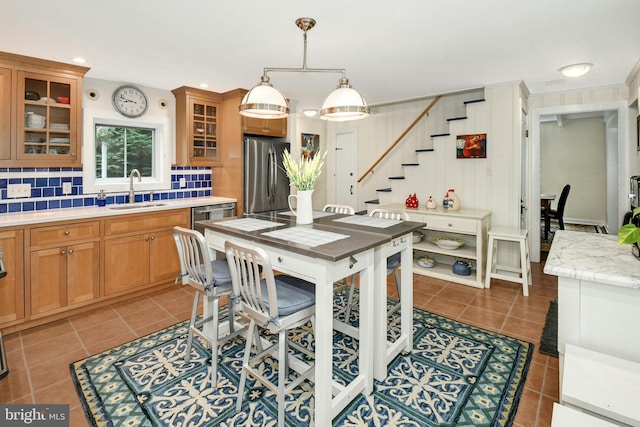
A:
x: 457, y: 375
x: 545, y: 245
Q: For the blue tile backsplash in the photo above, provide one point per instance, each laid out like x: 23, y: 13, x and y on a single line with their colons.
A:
x: 46, y: 188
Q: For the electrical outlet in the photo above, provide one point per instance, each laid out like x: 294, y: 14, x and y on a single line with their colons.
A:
x: 19, y: 190
x: 66, y: 188
x: 183, y: 182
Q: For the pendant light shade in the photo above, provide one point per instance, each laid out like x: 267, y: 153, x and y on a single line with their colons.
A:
x: 344, y: 103
x: 264, y: 101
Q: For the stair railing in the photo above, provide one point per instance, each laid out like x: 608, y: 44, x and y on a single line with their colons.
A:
x: 406, y: 131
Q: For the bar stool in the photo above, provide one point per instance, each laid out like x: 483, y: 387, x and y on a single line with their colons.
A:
x: 516, y: 235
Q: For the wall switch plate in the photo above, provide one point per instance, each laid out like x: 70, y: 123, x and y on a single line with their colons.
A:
x: 19, y: 190
x: 66, y: 188
x: 183, y: 182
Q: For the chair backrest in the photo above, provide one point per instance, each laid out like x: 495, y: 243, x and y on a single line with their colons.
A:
x: 339, y: 209
x: 389, y: 214
x: 195, y: 259
x: 562, y: 201
x: 245, y: 266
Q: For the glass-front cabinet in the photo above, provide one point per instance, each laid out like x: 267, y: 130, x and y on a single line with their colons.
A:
x: 44, y: 98
x: 204, y: 130
x: 45, y: 117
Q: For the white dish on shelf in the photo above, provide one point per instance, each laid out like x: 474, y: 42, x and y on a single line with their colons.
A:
x: 426, y: 262
x: 417, y: 237
x: 60, y: 126
x: 447, y: 242
x: 59, y: 140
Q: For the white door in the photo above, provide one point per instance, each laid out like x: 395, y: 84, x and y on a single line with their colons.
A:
x: 346, y: 161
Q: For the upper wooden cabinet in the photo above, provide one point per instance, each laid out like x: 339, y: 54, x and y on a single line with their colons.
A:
x: 198, y: 125
x: 269, y: 127
x: 43, y: 100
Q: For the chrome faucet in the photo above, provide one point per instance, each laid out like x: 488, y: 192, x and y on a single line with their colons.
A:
x: 132, y: 196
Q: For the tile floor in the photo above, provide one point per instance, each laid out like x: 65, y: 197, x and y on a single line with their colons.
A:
x: 39, y: 358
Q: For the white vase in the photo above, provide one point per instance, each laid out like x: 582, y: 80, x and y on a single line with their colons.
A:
x: 304, y: 208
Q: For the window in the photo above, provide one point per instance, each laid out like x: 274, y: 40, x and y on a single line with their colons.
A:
x: 113, y: 147
x: 120, y: 149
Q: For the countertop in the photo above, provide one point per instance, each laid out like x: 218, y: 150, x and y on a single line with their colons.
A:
x: 593, y: 257
x: 67, y: 214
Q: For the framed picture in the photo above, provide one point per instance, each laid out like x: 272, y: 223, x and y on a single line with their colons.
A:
x: 471, y: 146
x: 310, y: 144
x: 638, y: 132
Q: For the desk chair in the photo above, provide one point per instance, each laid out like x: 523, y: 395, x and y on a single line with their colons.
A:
x: 210, y: 279
x: 393, y: 261
x: 275, y: 304
x: 558, y: 213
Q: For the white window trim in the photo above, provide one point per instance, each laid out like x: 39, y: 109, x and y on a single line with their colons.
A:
x: 162, y: 154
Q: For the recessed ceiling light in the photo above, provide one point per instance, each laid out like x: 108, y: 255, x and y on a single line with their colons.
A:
x: 310, y: 112
x: 79, y: 60
x: 576, y: 70
x: 204, y: 85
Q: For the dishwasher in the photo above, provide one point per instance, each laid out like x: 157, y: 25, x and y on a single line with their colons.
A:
x: 203, y: 213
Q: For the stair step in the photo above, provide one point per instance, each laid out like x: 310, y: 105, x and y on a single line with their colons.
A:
x: 410, y: 164
x: 435, y: 135
x: 384, y: 190
x: 453, y: 119
x: 424, y: 150
x: 473, y: 101
x: 373, y: 202
x: 396, y: 177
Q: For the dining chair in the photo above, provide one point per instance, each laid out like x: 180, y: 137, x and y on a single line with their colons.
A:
x: 211, y: 280
x: 558, y: 213
x: 273, y: 304
x: 393, y: 261
x: 339, y: 209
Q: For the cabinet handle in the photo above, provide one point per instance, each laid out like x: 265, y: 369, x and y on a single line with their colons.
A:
x: 73, y: 155
x: 146, y: 239
x: 70, y: 251
x: 63, y: 252
x: 66, y: 233
x: 450, y: 225
x: 279, y: 259
x: 153, y: 237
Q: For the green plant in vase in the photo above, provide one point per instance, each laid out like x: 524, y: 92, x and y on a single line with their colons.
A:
x: 304, y: 173
x: 629, y: 234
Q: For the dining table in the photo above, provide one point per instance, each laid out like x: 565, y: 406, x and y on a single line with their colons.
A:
x: 545, y: 203
x: 324, y: 253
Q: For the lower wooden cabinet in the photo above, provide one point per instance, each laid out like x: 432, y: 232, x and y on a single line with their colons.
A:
x: 12, y: 303
x: 64, y: 276
x: 141, y: 252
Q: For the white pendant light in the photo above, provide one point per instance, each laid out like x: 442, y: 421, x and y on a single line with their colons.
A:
x: 344, y: 103
x: 264, y: 101
x: 576, y: 70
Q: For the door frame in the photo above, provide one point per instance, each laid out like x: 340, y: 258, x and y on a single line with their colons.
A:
x: 621, y: 163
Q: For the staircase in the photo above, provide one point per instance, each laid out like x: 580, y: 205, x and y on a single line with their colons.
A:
x: 448, y: 118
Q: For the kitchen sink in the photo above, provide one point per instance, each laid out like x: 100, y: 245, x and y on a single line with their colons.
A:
x: 136, y: 205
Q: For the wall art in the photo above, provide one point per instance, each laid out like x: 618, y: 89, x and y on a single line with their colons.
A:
x: 471, y: 146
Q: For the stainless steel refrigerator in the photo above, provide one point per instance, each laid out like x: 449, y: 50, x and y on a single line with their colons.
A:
x: 266, y: 186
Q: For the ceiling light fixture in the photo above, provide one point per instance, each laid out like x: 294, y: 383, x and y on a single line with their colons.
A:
x: 266, y: 102
x: 79, y: 60
x: 576, y: 70
x: 310, y: 112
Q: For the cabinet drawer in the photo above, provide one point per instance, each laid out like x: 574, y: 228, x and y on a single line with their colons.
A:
x: 458, y: 225
x: 64, y: 233
x: 147, y: 221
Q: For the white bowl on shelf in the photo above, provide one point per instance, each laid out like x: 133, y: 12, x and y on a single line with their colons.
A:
x: 417, y: 237
x: 447, y: 242
x: 426, y: 262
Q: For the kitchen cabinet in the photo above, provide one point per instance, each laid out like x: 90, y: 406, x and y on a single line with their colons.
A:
x: 468, y: 225
x: 12, y: 307
x: 268, y: 127
x: 5, y: 114
x: 197, y: 127
x: 45, y: 97
x: 64, y: 261
x: 140, y: 251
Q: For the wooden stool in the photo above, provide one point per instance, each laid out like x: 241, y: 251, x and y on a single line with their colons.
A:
x: 524, y: 270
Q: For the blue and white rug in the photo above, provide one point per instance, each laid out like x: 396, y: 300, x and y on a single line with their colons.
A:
x: 457, y: 375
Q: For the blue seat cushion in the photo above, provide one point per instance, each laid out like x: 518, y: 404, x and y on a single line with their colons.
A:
x: 220, y: 269
x: 293, y: 294
x: 393, y: 261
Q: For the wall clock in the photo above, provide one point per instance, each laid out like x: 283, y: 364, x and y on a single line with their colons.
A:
x: 129, y: 101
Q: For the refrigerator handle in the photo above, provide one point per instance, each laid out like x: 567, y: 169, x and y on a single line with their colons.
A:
x: 270, y: 167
